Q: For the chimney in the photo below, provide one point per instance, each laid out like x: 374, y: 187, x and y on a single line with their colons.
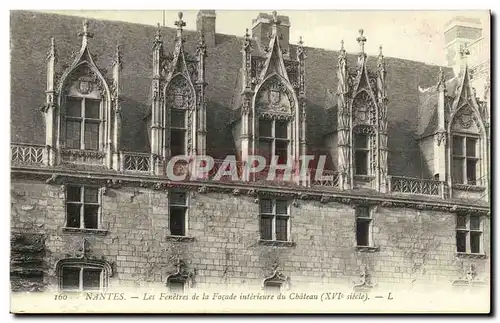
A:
x: 205, y: 24
x: 261, y: 29
x: 458, y: 32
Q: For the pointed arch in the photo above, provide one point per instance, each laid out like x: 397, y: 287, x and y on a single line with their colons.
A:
x: 364, y: 108
x: 282, y: 86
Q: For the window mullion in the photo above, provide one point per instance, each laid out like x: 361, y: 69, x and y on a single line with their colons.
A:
x: 82, y: 207
x: 82, y: 125
x: 80, y: 280
x: 467, y: 235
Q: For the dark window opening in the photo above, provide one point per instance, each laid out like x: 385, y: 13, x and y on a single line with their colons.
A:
x: 363, y: 232
x: 461, y: 241
x: 282, y: 151
x: 266, y: 227
x: 176, y: 286
x: 177, y: 220
x: 281, y: 228
x: 272, y: 287
x: 265, y: 128
x: 475, y: 242
x: 177, y: 139
x: 91, y: 278
x: 70, y: 278
x: 361, y: 158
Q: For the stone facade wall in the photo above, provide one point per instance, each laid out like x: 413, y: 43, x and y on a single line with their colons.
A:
x: 415, y: 247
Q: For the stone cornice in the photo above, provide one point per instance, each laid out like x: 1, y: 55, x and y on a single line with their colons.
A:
x: 112, y: 179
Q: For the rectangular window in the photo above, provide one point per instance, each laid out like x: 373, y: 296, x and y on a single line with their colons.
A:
x: 464, y: 163
x: 361, y: 151
x: 176, y: 286
x: 83, y: 207
x: 274, y: 220
x: 81, y: 278
x: 178, y: 213
x: 83, y: 122
x: 274, y: 140
x: 177, y: 142
x: 272, y: 287
x: 469, y: 234
x: 363, y: 226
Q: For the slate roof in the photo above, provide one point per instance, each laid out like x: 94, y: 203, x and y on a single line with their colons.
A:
x: 30, y: 39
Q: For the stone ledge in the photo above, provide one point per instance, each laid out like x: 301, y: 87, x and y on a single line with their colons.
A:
x: 276, y: 243
x: 470, y: 255
x: 100, y: 232
x: 179, y: 238
x: 367, y: 249
x: 469, y: 188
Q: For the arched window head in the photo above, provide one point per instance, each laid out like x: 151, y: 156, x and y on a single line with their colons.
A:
x: 81, y: 275
x: 181, y: 279
x: 276, y: 283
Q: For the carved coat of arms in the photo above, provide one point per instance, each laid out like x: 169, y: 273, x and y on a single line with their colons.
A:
x: 84, y: 85
x: 274, y: 97
x: 466, y: 117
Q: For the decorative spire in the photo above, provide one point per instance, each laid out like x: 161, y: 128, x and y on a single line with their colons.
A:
x: 361, y: 40
x: 441, y: 80
x: 180, y: 23
x: 117, y: 60
x: 52, y: 53
x: 381, y: 61
x: 158, y: 32
x: 301, y: 43
x: 300, y: 49
x: 201, y: 46
x: 85, y: 34
x: 342, y: 53
x: 247, y: 42
x: 275, y: 22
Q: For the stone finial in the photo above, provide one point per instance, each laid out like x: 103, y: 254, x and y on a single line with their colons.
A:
x: 342, y: 52
x: 464, y: 51
x: 201, y: 45
x: 471, y: 273
x: 246, y: 40
x: 275, y: 22
x: 52, y: 53
x: 180, y: 23
x: 441, y: 79
x: 301, y: 42
x: 361, y: 40
x: 85, y: 34
x: 117, y: 59
x: 158, y: 32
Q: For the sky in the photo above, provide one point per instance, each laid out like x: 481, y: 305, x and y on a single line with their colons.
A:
x: 414, y: 35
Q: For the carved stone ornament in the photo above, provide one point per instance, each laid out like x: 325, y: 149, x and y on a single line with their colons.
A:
x: 276, y: 97
x: 182, y: 274
x: 362, y: 107
x: 277, y: 277
x: 85, y: 85
x: 365, y: 282
x: 466, y: 117
x: 179, y: 93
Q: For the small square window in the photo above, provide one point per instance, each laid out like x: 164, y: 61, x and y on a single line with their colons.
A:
x: 361, y: 141
x: 73, y: 194
x: 274, y: 220
x: 82, y: 207
x: 272, y: 287
x: 176, y: 286
x: 461, y: 221
x: 281, y: 129
x: 265, y: 128
x: 73, y: 107
x: 471, y: 147
x: 91, y: 278
x: 178, y: 119
x: 92, y: 108
x: 70, y: 278
x: 458, y: 146
x: 266, y: 206
x: 469, y: 233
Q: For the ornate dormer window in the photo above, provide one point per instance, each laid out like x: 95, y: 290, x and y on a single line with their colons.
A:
x: 468, y: 144
x: 83, y: 130
x: 271, y: 101
x: 362, y: 122
x: 178, y: 116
